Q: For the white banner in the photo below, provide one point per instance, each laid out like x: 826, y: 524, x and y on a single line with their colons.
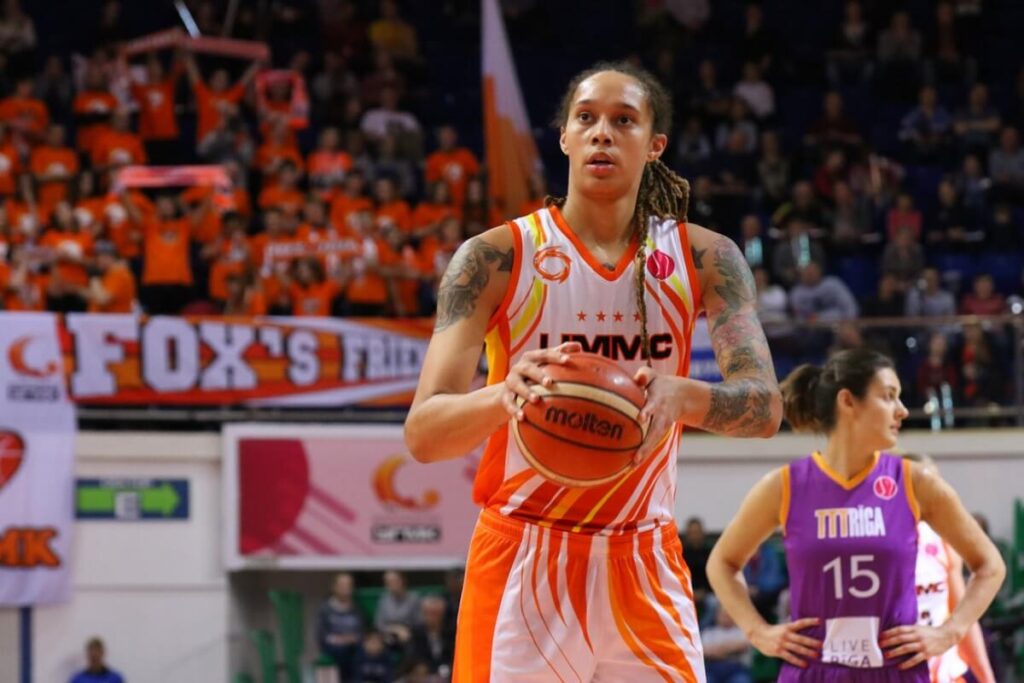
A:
x: 37, y: 440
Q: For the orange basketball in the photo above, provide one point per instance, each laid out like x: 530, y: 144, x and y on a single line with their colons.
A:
x: 585, y: 430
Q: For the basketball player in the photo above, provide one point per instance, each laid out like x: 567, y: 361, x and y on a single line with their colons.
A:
x: 581, y: 584
x: 849, y: 515
x: 940, y: 586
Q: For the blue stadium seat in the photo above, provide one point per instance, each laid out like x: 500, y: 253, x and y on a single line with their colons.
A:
x: 860, y: 273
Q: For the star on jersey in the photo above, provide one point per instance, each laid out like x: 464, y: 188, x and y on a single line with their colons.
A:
x: 618, y: 317
x: 601, y: 316
x: 581, y: 316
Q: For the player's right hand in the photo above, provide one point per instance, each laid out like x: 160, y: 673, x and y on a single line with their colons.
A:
x: 529, y: 369
x: 785, y: 642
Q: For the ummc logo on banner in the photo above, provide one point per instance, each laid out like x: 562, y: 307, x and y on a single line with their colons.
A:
x: 122, y: 359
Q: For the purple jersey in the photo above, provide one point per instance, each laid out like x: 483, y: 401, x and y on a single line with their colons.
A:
x: 851, y: 548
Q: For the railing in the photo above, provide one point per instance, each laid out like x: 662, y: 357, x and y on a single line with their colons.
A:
x: 982, y: 385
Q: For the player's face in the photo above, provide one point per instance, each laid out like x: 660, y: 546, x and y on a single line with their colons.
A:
x: 878, y: 417
x: 607, y: 136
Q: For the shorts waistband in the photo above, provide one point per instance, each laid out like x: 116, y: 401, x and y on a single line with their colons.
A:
x: 629, y: 543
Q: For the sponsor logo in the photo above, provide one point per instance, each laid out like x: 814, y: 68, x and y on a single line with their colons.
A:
x: 931, y: 588
x: 12, y: 454
x: 29, y: 367
x: 551, y: 263
x: 859, y: 522
x: 406, y: 533
x: 583, y: 422
x: 21, y: 365
x: 616, y: 346
x: 387, y: 492
x: 885, y: 487
x: 660, y: 265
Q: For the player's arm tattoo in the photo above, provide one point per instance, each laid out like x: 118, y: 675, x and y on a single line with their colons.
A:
x: 748, y: 402
x: 466, y: 277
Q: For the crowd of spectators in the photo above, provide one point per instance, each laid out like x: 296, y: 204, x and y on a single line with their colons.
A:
x: 881, y: 175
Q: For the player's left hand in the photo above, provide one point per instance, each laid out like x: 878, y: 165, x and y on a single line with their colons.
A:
x: 923, y: 642
x: 662, y: 408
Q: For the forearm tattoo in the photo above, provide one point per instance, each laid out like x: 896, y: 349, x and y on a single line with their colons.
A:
x: 742, y: 404
x: 466, y: 277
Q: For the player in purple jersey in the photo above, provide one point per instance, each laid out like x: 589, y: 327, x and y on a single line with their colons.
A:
x: 849, y: 514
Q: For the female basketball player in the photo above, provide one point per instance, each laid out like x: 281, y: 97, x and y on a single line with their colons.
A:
x: 579, y: 584
x: 940, y: 587
x: 849, y: 515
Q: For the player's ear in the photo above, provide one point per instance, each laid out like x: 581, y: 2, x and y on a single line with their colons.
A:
x: 561, y: 141
x: 845, y: 400
x: 659, y: 142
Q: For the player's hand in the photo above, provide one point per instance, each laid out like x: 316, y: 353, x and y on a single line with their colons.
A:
x: 661, y: 409
x: 785, y: 642
x: 923, y: 642
x: 529, y: 369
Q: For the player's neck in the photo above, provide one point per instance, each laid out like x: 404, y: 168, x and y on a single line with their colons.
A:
x: 845, y: 455
x: 601, y: 222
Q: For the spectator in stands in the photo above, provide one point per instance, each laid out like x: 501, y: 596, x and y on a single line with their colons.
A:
x: 928, y: 299
x: 311, y: 292
x: 772, y: 307
x: 977, y: 125
x: 804, y: 206
x: 117, y: 146
x: 394, y: 166
x: 1005, y: 233
x: 833, y: 128
x: 242, y: 297
x: 477, y: 213
x: 328, y: 164
x: 925, y: 130
x: 825, y: 298
x: 70, y: 251
x: 727, y: 651
x: 96, y: 669
x: 735, y: 170
x: 693, y: 148
x: 982, y: 380
x: 703, y: 204
x: 903, y: 216
x: 850, y: 54
x: 228, y: 140
x: 23, y: 113
x: 373, y: 662
x: 213, y: 100
x: 388, y: 118
x: 888, y: 301
x: 54, y: 88
x: 332, y: 86
x: 167, y: 279
x: 972, y: 185
x: 158, y: 124
x: 10, y: 165
x: 755, y: 91
x: 696, y: 550
x: 452, y: 163
x: 953, y: 227
x: 739, y: 121
x: 851, y: 220
x: 937, y: 369
x: 278, y: 149
x: 452, y: 595
x: 795, y: 251
x: 709, y: 100
x: 1006, y: 166
x: 111, y: 284
x: 391, y: 32
x: 432, y: 641
x: 53, y: 165
x: 339, y: 626
x: 93, y: 106
x: 947, y: 62
x: 398, y: 610
x: 756, y: 44
x: 774, y: 171
x: 983, y: 299
x: 17, y: 37
x: 22, y: 286
x: 899, y: 52
x: 753, y: 242
x: 765, y: 572
x: 903, y: 258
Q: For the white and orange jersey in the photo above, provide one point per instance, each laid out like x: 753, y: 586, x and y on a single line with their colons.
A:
x: 558, y: 292
x: 934, y: 599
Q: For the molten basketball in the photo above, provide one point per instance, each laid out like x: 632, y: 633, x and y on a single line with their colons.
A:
x: 585, y: 429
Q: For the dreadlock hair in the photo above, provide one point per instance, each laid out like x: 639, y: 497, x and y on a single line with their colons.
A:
x: 662, y: 193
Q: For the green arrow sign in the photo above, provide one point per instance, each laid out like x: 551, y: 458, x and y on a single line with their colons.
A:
x: 132, y: 499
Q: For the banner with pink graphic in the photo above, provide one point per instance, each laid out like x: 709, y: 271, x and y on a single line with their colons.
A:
x: 326, y: 497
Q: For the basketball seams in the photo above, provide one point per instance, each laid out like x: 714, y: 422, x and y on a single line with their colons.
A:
x: 590, y: 393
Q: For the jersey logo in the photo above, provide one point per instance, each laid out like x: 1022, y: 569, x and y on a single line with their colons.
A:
x: 885, y: 487
x: 660, y: 265
x: 616, y: 346
x: 860, y: 522
x: 551, y: 263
